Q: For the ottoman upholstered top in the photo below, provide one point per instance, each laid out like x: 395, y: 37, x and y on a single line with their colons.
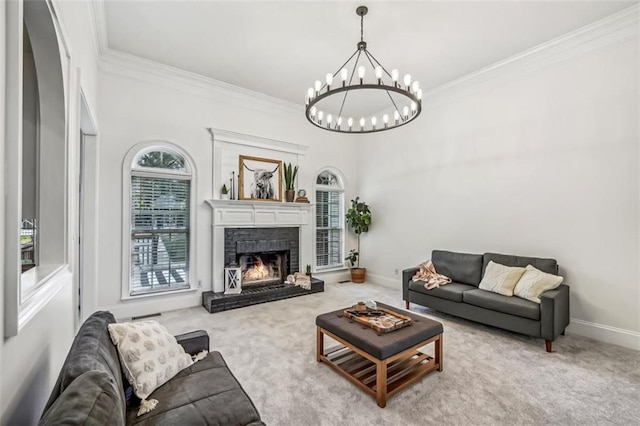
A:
x: 381, y: 346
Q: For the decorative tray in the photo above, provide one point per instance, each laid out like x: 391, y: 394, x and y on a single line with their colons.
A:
x: 381, y: 320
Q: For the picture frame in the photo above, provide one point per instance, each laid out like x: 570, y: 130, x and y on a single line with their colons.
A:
x: 259, y: 179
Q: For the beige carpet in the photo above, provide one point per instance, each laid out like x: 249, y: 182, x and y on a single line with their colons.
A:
x: 490, y: 376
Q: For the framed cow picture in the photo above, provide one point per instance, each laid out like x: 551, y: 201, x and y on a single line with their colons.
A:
x: 260, y: 179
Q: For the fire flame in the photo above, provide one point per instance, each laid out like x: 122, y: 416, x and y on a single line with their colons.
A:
x: 257, y: 272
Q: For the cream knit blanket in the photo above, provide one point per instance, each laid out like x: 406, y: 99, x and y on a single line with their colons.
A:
x: 431, y: 278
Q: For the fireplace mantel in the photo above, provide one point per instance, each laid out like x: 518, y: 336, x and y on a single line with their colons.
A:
x: 257, y: 214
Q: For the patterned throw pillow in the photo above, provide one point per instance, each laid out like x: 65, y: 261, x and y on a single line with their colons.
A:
x: 149, y: 354
x: 534, y: 282
x: 500, y: 279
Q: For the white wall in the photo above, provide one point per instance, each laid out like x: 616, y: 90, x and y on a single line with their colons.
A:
x: 137, y: 104
x: 537, y: 158
x: 30, y: 361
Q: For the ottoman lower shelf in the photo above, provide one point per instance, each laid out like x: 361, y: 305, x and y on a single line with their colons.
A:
x: 379, y: 378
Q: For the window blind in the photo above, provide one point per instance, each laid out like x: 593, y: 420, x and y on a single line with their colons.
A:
x: 159, y: 234
x: 328, y: 229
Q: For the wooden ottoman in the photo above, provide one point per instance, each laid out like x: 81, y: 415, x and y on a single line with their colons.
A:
x: 382, y: 364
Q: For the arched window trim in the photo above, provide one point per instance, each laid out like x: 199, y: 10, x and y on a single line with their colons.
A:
x: 340, y: 189
x: 160, y: 170
x: 129, y: 169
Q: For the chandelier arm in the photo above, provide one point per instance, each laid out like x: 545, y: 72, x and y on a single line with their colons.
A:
x: 345, y: 63
x: 378, y: 62
x: 394, y: 104
x: 346, y: 93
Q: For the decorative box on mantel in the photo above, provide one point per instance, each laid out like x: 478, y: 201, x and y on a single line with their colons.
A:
x: 257, y: 214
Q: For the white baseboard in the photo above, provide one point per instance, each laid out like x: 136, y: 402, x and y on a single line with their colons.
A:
x: 333, y: 277
x: 395, y: 284
x: 150, y: 306
x: 605, y: 333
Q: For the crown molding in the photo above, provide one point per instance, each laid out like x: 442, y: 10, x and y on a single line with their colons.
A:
x: 611, y: 30
x: 125, y: 64
x: 99, y: 26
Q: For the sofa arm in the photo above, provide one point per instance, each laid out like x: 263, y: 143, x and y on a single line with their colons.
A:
x: 554, y: 312
x: 407, y: 275
x: 194, y: 342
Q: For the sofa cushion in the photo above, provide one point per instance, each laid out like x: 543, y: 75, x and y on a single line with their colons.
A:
x: 501, y: 279
x: 92, y: 398
x: 550, y: 266
x: 460, y: 267
x: 452, y: 291
x: 203, y: 393
x: 534, y: 282
x: 505, y: 304
x: 91, y: 350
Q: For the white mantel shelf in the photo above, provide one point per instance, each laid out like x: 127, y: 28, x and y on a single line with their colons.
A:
x: 259, y: 213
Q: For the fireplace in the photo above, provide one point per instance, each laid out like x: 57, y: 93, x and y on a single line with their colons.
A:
x: 266, y: 255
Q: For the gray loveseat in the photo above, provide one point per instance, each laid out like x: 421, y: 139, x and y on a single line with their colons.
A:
x: 463, y: 298
x: 92, y: 390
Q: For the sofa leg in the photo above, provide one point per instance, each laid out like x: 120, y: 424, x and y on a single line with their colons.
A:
x: 548, y: 344
x: 406, y: 304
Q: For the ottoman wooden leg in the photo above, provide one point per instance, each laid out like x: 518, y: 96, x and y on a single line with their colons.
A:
x: 381, y: 383
x: 439, y: 353
x: 319, y: 344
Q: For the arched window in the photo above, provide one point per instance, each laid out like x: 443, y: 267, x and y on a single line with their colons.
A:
x: 160, y: 213
x: 329, y: 220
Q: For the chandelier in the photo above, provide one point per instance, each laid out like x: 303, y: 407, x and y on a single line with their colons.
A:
x: 403, y: 105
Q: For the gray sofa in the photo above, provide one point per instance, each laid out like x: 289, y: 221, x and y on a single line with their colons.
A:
x: 463, y: 298
x: 91, y: 388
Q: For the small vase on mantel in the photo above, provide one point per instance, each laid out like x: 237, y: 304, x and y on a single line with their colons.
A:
x: 289, y: 195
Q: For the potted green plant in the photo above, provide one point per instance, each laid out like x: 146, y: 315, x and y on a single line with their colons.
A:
x: 224, y: 192
x: 290, y: 173
x: 308, y: 271
x: 358, y: 218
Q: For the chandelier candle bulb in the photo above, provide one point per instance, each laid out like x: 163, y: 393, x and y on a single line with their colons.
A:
x: 373, y: 122
x: 385, y: 119
x: 350, y: 123
x: 407, y: 81
x: 320, y: 115
x: 415, y: 86
x: 419, y: 94
x: 362, y: 121
x: 329, y: 120
x: 361, y: 71
x: 396, y: 116
x: 339, y: 123
x: 405, y: 112
x: 310, y: 93
x: 313, y: 112
x: 329, y: 80
x: 344, y: 74
x: 318, y: 86
x: 414, y: 107
x: 378, y: 72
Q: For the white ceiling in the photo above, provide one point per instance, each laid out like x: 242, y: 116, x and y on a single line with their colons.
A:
x: 281, y: 48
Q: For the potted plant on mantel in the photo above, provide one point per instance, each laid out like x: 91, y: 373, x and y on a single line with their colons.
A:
x: 290, y: 173
x: 224, y: 192
x: 358, y: 218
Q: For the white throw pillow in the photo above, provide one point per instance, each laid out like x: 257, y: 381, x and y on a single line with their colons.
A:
x: 149, y: 354
x: 534, y: 282
x: 500, y: 279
